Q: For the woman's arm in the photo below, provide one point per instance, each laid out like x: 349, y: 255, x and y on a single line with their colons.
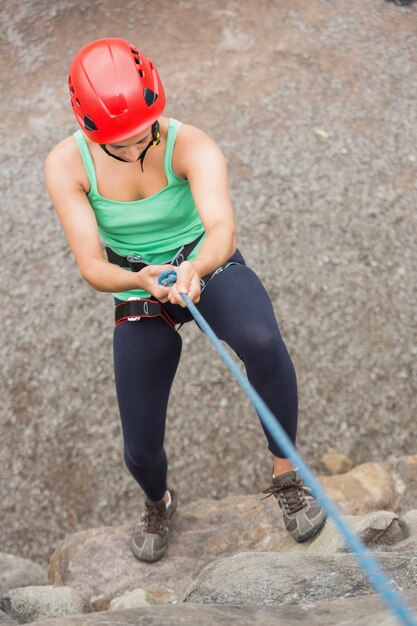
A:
x: 80, y: 227
x: 199, y: 159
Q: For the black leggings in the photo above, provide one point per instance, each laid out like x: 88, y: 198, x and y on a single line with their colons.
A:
x: 146, y: 356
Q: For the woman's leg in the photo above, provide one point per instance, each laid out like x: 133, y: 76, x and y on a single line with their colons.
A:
x: 146, y: 356
x: 238, y: 308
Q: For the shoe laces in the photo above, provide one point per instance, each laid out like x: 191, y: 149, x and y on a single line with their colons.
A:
x: 154, y: 516
x: 293, y: 494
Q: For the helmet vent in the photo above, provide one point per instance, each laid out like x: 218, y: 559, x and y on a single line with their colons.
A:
x: 150, y: 96
x: 141, y: 73
x: 89, y: 124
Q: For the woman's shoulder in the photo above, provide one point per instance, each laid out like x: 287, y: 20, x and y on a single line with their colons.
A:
x: 65, y: 160
x: 189, y: 133
x: 191, y: 145
x: 65, y: 150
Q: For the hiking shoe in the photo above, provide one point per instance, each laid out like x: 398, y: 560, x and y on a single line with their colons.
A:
x: 304, y: 517
x: 150, y: 537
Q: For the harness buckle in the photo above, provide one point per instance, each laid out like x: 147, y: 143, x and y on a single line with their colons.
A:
x: 136, y: 318
x: 134, y: 260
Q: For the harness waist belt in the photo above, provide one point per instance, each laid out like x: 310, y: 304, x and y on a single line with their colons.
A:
x: 136, y: 263
x: 132, y: 310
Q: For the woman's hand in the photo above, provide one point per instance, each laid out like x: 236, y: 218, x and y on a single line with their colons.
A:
x: 148, y: 277
x: 188, y: 282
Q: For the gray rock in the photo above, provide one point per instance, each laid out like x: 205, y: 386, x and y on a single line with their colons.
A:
x: 404, y: 472
x: 32, y: 603
x: 409, y: 544
x: 135, y: 598
x: 382, y: 528
x: 18, y: 572
x: 410, y: 519
x: 5, y: 618
x: 267, y: 578
x: 350, y: 612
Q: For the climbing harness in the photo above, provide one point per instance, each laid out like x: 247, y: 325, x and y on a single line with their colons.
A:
x: 169, y: 277
x: 367, y: 562
x: 134, y: 309
x: 136, y: 263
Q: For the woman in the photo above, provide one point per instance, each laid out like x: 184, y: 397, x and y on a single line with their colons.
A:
x: 170, y: 211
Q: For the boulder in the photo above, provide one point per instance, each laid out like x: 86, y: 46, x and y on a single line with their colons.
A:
x: 410, y: 519
x: 18, y: 572
x: 5, y: 618
x: 409, y: 543
x: 32, y: 603
x: 99, y: 563
x: 403, y: 471
x: 368, y: 487
x: 358, y: 611
x: 336, y: 463
x: 135, y: 598
x: 382, y: 528
x: 281, y: 579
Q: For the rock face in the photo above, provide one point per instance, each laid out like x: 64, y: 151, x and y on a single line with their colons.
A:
x: 281, y: 579
x: 18, y: 572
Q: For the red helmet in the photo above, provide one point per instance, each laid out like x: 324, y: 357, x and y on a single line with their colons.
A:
x: 115, y: 90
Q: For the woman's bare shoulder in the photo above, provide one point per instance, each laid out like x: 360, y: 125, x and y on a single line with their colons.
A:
x: 192, y: 144
x: 64, y: 151
x: 187, y: 133
x: 65, y: 160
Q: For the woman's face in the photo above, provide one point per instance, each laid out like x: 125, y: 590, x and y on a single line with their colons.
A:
x: 130, y: 149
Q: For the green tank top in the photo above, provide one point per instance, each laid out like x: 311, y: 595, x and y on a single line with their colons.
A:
x: 154, y: 227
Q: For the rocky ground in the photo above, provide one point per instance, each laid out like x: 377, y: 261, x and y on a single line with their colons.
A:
x: 313, y: 104
x: 228, y: 555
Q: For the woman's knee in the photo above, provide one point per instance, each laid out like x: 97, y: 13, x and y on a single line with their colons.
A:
x: 261, y: 342
x: 140, y: 457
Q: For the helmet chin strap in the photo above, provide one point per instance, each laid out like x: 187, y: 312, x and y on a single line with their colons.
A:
x: 155, y: 141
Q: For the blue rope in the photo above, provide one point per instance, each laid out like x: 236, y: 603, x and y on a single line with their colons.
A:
x: 367, y: 562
